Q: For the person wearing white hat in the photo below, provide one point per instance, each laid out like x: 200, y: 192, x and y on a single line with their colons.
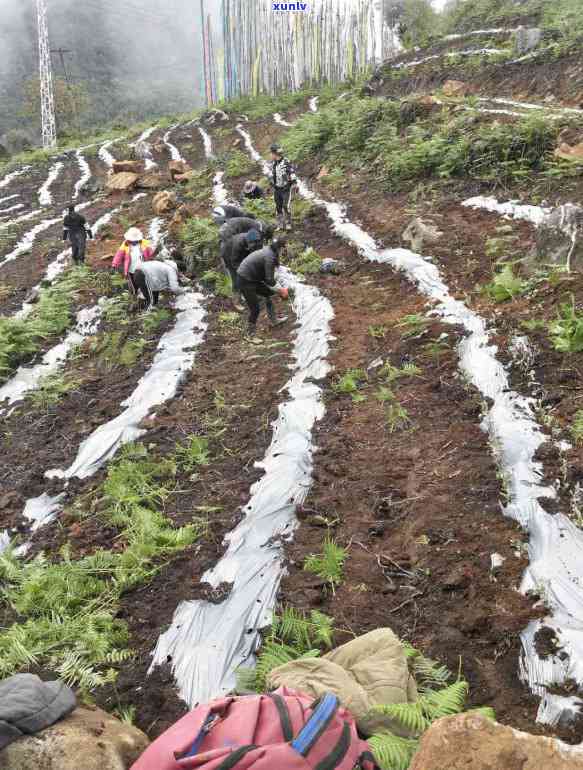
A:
x: 133, y: 252
x: 222, y: 213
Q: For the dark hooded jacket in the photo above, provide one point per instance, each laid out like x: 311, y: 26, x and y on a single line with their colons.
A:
x: 238, y: 225
x: 231, y: 212
x: 259, y: 267
x: 237, y: 248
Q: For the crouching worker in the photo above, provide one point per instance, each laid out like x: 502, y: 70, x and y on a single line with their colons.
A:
x: 222, y: 214
x: 76, y: 231
x: 156, y: 276
x: 132, y: 254
x: 256, y: 280
x: 252, y: 191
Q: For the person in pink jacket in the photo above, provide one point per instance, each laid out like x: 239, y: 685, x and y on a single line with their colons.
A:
x: 134, y: 251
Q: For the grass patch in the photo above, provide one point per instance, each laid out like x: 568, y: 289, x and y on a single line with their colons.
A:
x: 194, y: 453
x: 307, y: 262
x: 200, y: 239
x: 350, y: 384
x: 218, y: 282
x: 67, y: 609
x: 20, y: 338
x: 566, y: 331
x: 51, y: 389
x: 238, y: 164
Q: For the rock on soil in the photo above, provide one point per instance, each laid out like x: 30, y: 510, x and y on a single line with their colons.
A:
x: 178, y: 168
x: 472, y: 742
x: 558, y: 239
x: 89, y: 739
x: 126, y: 180
x: 419, y: 233
x: 163, y: 202
x: 455, y: 88
x: 131, y: 166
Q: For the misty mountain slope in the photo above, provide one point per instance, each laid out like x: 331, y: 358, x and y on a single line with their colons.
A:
x: 135, y: 60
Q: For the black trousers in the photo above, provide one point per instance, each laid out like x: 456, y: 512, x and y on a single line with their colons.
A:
x: 78, y: 241
x: 253, y: 293
x: 138, y: 283
x: 227, y: 265
x: 282, y: 198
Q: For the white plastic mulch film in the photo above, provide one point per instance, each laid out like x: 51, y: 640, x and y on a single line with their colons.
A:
x: 207, y: 642
x: 174, y: 359
x: 556, y: 544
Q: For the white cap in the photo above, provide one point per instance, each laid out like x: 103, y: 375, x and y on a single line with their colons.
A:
x: 219, y: 211
x: 134, y: 234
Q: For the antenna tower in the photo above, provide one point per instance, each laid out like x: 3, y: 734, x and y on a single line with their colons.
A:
x: 47, y: 100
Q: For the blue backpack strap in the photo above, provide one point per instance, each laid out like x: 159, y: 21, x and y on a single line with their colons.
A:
x: 193, y: 750
x: 324, y: 711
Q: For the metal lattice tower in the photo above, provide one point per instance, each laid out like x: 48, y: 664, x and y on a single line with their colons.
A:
x: 47, y: 100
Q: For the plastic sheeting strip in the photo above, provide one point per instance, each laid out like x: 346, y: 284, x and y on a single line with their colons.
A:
x: 534, y: 214
x: 45, y: 197
x: 174, y: 151
x: 16, y: 207
x: 27, y: 378
x: 556, y: 544
x: 85, y: 174
x: 208, y: 145
x: 278, y: 119
x: 314, y: 103
x: 207, y: 642
x: 434, y: 57
x: 13, y: 175
x: 9, y: 198
x: 23, y: 218
x: 105, y: 155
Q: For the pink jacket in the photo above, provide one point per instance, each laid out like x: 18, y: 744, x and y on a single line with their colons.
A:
x: 123, y: 255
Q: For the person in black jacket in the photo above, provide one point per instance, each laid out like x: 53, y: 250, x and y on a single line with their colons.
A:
x: 256, y: 280
x: 252, y: 191
x: 75, y: 230
x: 222, y: 214
x: 236, y: 249
x: 283, y: 179
x: 243, y: 225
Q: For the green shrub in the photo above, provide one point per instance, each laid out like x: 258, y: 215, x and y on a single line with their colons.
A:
x: 566, y: 331
x: 200, y: 238
x: 238, y: 164
x: 309, y: 261
x: 505, y: 285
x: 219, y: 282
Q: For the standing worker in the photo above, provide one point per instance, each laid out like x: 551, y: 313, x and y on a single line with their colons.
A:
x: 76, y: 231
x: 283, y: 178
x: 134, y: 251
x: 155, y: 276
x: 256, y: 279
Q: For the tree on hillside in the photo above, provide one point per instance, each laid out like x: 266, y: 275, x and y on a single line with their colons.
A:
x: 71, y: 103
x: 419, y: 22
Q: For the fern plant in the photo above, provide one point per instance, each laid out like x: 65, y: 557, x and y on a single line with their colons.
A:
x: 328, y: 565
x: 194, y: 453
x: 413, y: 325
x: 438, y: 697
x: 307, y: 262
x: 219, y: 282
x: 293, y: 635
x: 577, y: 427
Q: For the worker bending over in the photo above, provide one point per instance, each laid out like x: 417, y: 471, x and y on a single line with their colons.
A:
x: 76, y: 231
x: 236, y: 249
x: 243, y: 225
x: 222, y: 213
x: 252, y: 191
x: 256, y: 280
x: 155, y: 276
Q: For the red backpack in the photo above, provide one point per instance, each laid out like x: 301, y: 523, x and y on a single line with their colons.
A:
x: 281, y: 731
